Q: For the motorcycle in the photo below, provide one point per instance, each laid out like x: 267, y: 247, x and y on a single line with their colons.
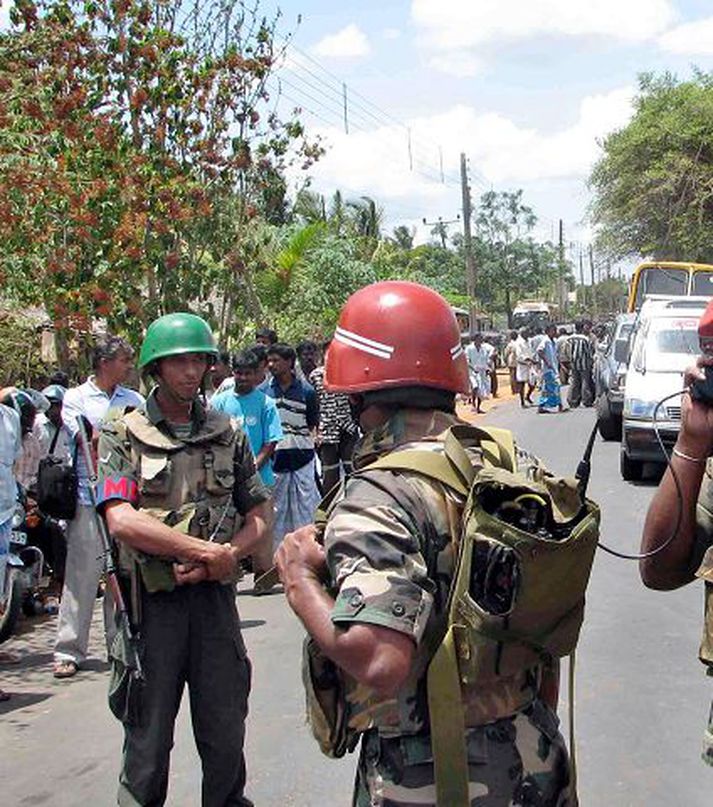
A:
x: 26, y: 577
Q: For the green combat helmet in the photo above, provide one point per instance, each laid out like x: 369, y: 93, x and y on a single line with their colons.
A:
x: 175, y: 334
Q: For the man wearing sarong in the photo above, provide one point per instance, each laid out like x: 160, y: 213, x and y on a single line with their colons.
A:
x: 295, y: 491
x: 550, y: 401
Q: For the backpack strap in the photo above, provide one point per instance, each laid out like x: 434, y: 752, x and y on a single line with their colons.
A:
x: 447, y: 724
x: 454, y: 467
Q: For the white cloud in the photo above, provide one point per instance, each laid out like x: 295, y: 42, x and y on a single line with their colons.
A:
x: 391, y: 33
x: 692, y: 38
x: 351, y: 42
x: 460, y: 63
x: 4, y: 15
x: 464, y: 24
x: 376, y: 163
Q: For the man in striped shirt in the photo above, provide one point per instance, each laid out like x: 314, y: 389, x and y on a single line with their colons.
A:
x: 296, y: 493
x: 338, y: 431
x: 581, y: 351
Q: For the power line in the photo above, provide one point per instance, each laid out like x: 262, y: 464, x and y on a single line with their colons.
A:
x: 366, y: 112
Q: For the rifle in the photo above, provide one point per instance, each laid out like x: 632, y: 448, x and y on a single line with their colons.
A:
x: 112, y: 579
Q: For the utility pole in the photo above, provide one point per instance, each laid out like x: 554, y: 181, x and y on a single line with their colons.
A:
x: 441, y: 226
x: 470, y: 271
x: 581, y: 278
x: 346, y: 112
x: 594, y: 290
x: 560, y: 260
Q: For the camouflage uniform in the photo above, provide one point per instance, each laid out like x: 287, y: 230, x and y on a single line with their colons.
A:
x: 703, y: 562
x: 391, y: 559
x: 188, y: 634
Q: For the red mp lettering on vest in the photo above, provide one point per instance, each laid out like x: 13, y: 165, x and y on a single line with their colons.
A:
x: 120, y: 488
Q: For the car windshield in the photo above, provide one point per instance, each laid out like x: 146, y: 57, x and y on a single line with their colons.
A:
x: 702, y: 284
x: 661, y: 280
x: 671, y: 343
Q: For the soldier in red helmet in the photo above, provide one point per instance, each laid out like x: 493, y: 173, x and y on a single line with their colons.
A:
x: 388, y: 560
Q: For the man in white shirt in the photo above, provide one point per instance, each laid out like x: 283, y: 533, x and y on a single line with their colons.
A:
x: 523, y: 369
x: 112, y: 361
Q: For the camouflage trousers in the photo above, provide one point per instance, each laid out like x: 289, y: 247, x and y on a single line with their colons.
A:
x: 520, y: 761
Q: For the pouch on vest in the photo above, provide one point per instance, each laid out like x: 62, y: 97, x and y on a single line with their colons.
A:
x: 705, y: 572
x: 516, y: 601
x: 125, y: 685
x: 327, y: 708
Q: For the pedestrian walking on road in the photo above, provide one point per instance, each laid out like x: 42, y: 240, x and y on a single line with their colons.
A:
x: 523, y: 369
x: 183, y: 500
x: 581, y: 387
x: 479, y: 358
x: 510, y: 358
x: 550, y: 400
x: 102, y: 392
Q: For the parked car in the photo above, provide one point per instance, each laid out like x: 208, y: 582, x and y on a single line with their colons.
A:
x: 665, y: 342
x: 610, y: 377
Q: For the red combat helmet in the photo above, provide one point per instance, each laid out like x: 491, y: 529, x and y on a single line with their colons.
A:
x: 396, y: 334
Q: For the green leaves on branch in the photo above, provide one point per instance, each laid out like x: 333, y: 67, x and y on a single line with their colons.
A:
x: 653, y: 187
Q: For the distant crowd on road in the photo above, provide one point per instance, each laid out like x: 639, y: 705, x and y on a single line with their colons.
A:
x: 539, y: 360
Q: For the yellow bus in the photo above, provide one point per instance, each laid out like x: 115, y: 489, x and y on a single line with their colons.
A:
x: 669, y: 277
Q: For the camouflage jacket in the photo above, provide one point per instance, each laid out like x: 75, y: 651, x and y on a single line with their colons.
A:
x: 391, y: 557
x: 201, y: 482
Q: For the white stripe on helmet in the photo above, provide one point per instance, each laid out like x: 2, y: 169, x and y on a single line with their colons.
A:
x: 340, y: 336
x: 364, y: 341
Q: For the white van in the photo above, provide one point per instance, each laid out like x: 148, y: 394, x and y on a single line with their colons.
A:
x: 663, y: 345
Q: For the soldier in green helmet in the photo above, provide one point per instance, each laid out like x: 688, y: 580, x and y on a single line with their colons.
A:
x: 178, y: 488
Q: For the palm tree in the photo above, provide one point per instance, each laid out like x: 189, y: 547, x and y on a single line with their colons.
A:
x: 366, y: 217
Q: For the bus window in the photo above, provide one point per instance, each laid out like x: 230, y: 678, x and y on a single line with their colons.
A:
x: 660, y: 280
x: 702, y: 284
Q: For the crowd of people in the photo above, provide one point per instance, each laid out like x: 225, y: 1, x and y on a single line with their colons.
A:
x: 539, y: 361
x: 301, y: 436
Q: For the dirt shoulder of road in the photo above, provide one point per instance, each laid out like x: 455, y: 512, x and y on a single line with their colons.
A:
x: 505, y: 396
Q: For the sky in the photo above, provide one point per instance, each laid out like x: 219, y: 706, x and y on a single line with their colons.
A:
x: 526, y: 89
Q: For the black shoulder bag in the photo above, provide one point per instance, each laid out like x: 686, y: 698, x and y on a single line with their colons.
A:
x: 57, y: 484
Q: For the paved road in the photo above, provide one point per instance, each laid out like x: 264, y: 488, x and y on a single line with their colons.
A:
x: 642, y: 697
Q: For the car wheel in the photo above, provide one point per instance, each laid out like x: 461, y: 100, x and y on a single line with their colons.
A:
x: 631, y: 470
x: 608, y: 423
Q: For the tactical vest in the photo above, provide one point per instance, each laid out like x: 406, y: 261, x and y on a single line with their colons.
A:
x: 525, y: 552
x: 186, y: 483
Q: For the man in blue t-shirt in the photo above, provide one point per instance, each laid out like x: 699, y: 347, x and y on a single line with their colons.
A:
x: 257, y: 415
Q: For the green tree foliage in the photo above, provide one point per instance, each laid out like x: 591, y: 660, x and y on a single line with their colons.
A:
x: 511, y: 264
x: 654, y: 184
x: 137, y: 151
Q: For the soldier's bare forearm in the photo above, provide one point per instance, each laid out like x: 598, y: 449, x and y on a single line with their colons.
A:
x: 670, y: 568
x: 377, y: 657
x: 252, y: 533
x: 147, y: 534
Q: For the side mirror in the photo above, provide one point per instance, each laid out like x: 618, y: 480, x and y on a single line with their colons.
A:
x: 621, y: 351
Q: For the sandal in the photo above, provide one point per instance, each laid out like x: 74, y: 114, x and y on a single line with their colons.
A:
x: 65, y: 669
